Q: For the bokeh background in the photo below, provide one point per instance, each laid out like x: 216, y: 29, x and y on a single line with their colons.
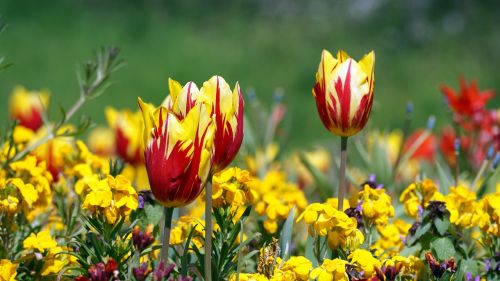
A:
x: 264, y: 44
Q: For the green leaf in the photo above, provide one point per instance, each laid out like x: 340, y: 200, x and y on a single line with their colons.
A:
x: 286, y: 235
x: 154, y: 214
x: 468, y: 265
x: 310, y: 250
x: 441, y: 225
x: 443, y: 248
x: 423, y: 229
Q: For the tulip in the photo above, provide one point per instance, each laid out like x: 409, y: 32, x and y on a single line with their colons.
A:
x: 344, y: 92
x: 177, y: 153
x: 27, y: 107
x: 127, y: 127
x: 227, y: 109
x: 344, y: 97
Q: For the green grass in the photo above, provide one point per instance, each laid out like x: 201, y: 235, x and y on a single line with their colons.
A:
x: 193, y: 42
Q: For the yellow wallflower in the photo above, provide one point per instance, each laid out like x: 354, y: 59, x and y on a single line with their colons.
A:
x: 183, y: 226
x: 297, y: 267
x: 376, y: 205
x: 28, y: 188
x: 487, y: 215
x: 113, y: 197
x: 391, y: 239
x: 7, y: 270
x: 408, y: 266
x: 331, y: 270
x: 323, y: 219
x: 365, y: 262
x: 232, y: 187
x: 41, y: 241
x: 462, y: 206
x: 56, y: 260
x: 276, y: 198
x: 417, y: 195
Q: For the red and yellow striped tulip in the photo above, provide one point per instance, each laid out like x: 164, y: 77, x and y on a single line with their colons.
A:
x: 227, y: 110
x: 127, y: 127
x: 344, y: 92
x: 27, y: 107
x: 178, y: 150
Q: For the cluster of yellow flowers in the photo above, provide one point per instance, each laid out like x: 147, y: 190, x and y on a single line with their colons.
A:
x: 489, y: 213
x: 277, y: 197
x: 462, y: 205
x: 233, y: 187
x: 296, y: 268
x: 376, y: 205
x: 183, y: 227
x: 26, y: 188
x: 391, y: 240
x: 417, y: 195
x: 324, y: 219
x: 360, y: 261
x: 54, y: 256
x: 112, y: 197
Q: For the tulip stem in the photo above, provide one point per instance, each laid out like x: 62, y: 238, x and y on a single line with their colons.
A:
x: 167, y: 212
x: 208, y: 230
x: 342, y: 182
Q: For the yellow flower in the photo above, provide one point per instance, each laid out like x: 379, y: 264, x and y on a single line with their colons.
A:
x: 183, y: 226
x: 376, y: 205
x: 365, y: 261
x: 56, y: 260
x: 40, y: 241
x: 417, y: 195
x: 324, y: 219
x: 462, y: 206
x: 296, y: 267
x: 28, y: 186
x: 232, y: 187
x: 7, y: 270
x: 391, y: 238
x: 331, y: 270
x: 277, y: 197
x: 113, y: 197
x: 487, y: 215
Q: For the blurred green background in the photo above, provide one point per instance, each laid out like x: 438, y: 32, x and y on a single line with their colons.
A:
x: 264, y: 44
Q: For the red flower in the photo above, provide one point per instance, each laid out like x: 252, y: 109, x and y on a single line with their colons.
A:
x: 470, y: 100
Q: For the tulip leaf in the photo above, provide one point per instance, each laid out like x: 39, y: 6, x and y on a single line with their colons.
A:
x: 286, y: 235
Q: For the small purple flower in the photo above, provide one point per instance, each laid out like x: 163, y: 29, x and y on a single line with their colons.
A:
x: 141, y: 201
x: 420, y: 212
x: 487, y: 265
x: 358, y: 207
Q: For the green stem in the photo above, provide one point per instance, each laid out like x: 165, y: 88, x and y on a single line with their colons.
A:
x: 167, y: 211
x: 343, y: 163
x: 208, y: 230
